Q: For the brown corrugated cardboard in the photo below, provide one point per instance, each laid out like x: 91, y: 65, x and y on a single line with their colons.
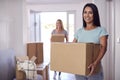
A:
x: 35, y: 49
x: 22, y: 58
x: 39, y: 53
x: 73, y: 57
x: 31, y: 50
x: 57, y: 38
x: 20, y: 74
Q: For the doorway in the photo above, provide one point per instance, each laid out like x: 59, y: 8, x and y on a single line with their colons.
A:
x: 42, y: 24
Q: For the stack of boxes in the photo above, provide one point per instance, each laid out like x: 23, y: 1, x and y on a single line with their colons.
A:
x: 35, y: 49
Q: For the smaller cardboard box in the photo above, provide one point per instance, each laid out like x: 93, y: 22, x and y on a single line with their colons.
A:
x: 35, y: 49
x: 57, y: 38
x: 20, y: 74
x: 73, y: 57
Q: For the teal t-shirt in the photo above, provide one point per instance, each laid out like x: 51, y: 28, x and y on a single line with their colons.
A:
x: 90, y: 36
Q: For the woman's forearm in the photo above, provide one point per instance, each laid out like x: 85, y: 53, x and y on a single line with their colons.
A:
x: 101, y: 54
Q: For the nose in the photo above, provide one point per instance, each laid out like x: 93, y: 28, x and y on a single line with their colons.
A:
x: 87, y: 14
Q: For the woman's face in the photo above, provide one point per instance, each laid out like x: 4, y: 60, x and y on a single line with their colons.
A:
x: 88, y: 15
x: 58, y: 24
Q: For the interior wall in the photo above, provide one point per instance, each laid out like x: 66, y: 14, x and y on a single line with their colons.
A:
x: 11, y: 17
x: 4, y: 26
x: 117, y: 43
x: 4, y: 31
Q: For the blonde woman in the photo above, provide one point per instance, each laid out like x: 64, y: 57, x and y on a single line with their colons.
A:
x: 59, y: 30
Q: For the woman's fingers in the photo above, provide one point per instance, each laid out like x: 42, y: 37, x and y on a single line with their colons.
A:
x: 92, y: 68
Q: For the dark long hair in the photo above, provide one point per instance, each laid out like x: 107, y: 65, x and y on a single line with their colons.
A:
x: 96, y: 19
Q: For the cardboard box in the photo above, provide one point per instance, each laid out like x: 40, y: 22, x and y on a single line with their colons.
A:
x: 20, y: 74
x: 73, y: 57
x: 35, y: 49
x: 57, y: 38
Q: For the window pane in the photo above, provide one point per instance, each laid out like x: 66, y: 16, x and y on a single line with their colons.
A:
x: 71, y: 27
x: 48, y: 23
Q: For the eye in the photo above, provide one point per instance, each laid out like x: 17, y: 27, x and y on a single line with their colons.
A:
x: 85, y: 12
x: 90, y: 12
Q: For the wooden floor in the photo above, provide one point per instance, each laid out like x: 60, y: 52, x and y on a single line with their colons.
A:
x: 63, y: 76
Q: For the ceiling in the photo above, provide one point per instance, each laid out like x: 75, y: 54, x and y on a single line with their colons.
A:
x: 54, y: 1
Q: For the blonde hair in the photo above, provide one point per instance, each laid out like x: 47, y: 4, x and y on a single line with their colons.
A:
x: 60, y: 23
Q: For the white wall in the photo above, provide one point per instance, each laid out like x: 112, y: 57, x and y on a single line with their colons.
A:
x: 11, y: 16
x: 117, y: 35
x: 4, y: 31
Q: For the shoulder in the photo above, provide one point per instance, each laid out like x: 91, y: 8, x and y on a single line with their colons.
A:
x: 65, y: 31
x: 102, y: 31
x: 101, y: 28
x: 53, y: 31
x: 80, y: 29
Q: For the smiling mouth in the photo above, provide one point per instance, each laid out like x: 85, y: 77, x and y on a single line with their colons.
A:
x: 87, y: 19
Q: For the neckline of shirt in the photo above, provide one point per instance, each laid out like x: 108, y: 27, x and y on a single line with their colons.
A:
x: 91, y: 29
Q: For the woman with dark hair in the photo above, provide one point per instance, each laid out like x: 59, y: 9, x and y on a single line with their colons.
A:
x: 92, y: 32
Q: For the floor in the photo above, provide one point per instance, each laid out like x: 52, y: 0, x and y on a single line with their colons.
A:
x: 63, y: 76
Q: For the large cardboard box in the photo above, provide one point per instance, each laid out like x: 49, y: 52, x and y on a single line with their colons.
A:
x: 35, y: 49
x: 73, y: 57
x: 57, y: 38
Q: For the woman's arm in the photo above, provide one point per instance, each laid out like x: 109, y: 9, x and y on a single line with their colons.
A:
x: 66, y: 37
x: 103, y: 48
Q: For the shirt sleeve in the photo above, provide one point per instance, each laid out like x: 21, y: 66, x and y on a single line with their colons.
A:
x: 76, y: 34
x: 103, y: 32
x: 66, y: 33
x: 53, y: 32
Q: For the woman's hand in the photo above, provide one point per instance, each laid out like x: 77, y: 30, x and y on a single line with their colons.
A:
x: 75, y: 40
x: 92, y: 68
